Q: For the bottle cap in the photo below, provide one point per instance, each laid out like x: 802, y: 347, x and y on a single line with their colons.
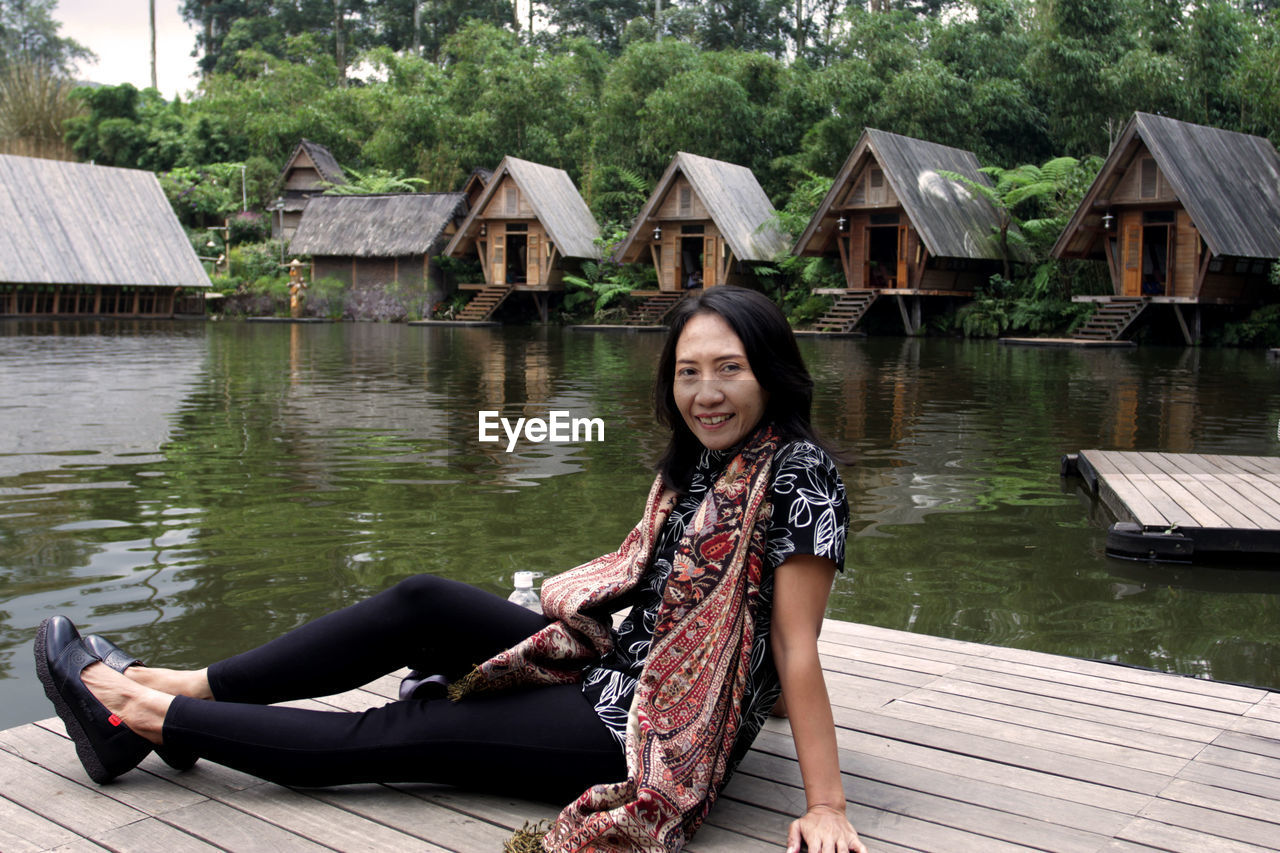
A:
x: 524, y: 580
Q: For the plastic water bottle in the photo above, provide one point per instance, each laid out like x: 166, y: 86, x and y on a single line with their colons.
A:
x: 524, y: 594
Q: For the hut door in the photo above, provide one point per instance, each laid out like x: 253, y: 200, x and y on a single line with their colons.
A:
x: 535, y: 259
x: 498, y: 265
x: 1132, y: 261
x: 709, y: 262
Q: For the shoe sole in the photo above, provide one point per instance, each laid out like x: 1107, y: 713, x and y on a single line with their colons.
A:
x: 84, y: 749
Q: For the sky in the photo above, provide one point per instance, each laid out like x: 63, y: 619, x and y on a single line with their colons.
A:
x: 119, y: 32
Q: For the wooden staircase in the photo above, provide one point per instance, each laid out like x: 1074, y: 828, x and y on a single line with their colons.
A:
x: 484, y: 303
x: 654, y: 308
x: 846, y: 313
x: 1112, y: 319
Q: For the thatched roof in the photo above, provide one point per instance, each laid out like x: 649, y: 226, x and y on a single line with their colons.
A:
x: 733, y: 198
x: 1228, y: 182
x: 326, y: 164
x: 952, y: 221
x: 72, y: 223
x: 555, y: 202
x: 376, y: 226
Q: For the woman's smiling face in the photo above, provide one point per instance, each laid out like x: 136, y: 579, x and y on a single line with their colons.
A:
x: 717, y: 394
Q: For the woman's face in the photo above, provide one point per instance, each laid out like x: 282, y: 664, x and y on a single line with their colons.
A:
x: 716, y: 392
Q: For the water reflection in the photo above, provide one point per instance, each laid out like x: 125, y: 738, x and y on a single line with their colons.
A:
x: 193, y: 489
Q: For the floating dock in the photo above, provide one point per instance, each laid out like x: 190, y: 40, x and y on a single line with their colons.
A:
x: 1180, y: 507
x: 945, y: 746
x: 1078, y: 343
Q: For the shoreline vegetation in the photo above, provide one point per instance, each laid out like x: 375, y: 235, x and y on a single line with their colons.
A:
x: 1038, y: 91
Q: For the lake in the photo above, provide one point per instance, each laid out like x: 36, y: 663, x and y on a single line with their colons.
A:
x: 192, y: 489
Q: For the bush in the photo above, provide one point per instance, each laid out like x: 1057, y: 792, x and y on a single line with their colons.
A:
x: 1260, y: 329
x: 252, y: 261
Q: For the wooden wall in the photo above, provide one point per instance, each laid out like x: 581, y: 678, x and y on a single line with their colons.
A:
x: 869, y: 188
x: 1143, y: 182
x: 681, y: 202
x: 507, y: 202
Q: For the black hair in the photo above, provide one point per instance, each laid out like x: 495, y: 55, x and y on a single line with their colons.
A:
x: 774, y: 359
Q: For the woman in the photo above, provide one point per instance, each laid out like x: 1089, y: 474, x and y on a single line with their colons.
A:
x: 727, y: 576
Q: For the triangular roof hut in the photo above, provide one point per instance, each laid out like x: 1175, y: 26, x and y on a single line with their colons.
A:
x: 1181, y: 211
x: 536, y: 207
x: 83, y: 239
x: 475, y: 184
x: 367, y: 240
x: 895, y: 222
x: 308, y: 172
x: 704, y: 219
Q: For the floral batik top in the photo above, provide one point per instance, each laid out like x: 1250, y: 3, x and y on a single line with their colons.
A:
x: 810, y: 516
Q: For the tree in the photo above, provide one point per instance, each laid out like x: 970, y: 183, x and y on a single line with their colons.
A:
x: 601, y: 21
x: 29, y: 36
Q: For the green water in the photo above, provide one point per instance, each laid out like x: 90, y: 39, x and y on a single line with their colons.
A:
x: 193, y: 489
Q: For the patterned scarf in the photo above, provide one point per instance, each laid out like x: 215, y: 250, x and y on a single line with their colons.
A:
x: 687, y: 708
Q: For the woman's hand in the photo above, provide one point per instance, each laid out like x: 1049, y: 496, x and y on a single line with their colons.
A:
x: 825, y: 830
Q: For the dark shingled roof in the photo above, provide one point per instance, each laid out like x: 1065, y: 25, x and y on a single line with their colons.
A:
x: 72, y: 223
x: 555, y: 202
x: 952, y: 221
x: 1228, y: 182
x: 375, y: 226
x: 733, y: 197
x: 325, y: 162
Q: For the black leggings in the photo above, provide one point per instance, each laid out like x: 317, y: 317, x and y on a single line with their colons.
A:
x: 544, y: 741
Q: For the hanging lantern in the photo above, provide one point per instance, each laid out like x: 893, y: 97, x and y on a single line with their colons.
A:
x: 657, y: 233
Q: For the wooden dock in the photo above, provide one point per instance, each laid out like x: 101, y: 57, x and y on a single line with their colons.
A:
x: 945, y: 745
x: 1179, y: 507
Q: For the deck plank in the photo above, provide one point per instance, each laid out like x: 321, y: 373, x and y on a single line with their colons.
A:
x: 944, y: 746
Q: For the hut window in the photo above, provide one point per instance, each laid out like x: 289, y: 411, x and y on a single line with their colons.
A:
x: 511, y: 201
x: 884, y: 219
x: 1148, y: 178
x: 517, y: 226
x: 692, y: 229
x: 1215, y: 265
x: 1157, y: 217
x: 876, y: 193
x: 686, y: 200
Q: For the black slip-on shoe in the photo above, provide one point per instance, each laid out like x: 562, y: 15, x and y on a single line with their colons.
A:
x: 105, y: 745
x: 120, y: 660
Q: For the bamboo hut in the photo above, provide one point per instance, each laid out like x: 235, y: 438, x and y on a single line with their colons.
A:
x: 77, y: 239
x: 527, y: 228
x: 902, y: 230
x: 1182, y: 214
x: 309, y: 171
x: 707, y: 222
x: 369, y: 241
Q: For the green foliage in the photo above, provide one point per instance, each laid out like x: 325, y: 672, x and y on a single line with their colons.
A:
x: 1005, y: 306
x: 29, y: 37
x: 254, y: 261
x: 379, y: 181
x: 600, y: 285
x: 1260, y: 328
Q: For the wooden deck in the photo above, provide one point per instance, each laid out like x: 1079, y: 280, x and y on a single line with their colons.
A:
x: 1176, y: 507
x: 945, y: 745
